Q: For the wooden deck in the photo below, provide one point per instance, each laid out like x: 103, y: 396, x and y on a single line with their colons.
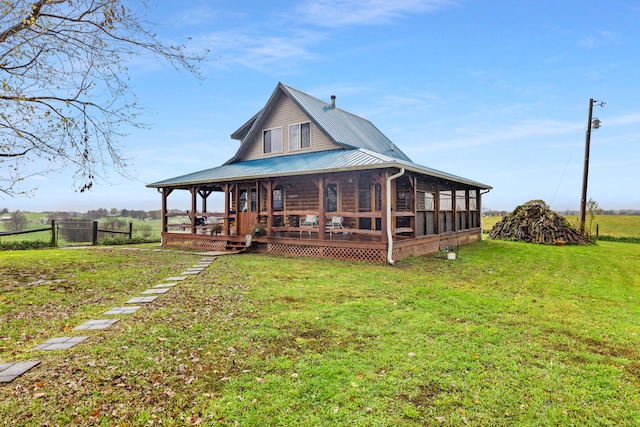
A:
x: 342, y: 246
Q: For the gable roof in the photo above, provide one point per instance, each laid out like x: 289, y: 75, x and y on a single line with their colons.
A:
x: 341, y: 127
x: 364, y: 147
x: 306, y: 164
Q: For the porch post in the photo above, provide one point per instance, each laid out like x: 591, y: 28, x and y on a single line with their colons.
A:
x: 468, y: 210
x: 454, y: 202
x: 414, y: 198
x: 165, y: 194
x: 194, y: 193
x: 236, y: 204
x: 204, y: 194
x: 479, y: 207
x: 227, y: 210
x: 436, y: 206
x: 269, y: 187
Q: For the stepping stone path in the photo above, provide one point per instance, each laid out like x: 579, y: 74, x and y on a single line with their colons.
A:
x: 124, y: 310
x: 11, y: 370
x: 138, y: 300
x: 96, y: 324
x: 61, y: 343
x: 157, y: 291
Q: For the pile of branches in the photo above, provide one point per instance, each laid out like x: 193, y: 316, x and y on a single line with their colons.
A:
x: 534, y: 222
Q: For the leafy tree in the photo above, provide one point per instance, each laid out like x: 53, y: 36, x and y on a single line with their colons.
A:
x: 593, y: 210
x: 18, y: 222
x: 65, y: 101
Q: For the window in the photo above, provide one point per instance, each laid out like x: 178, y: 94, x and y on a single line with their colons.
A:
x: 272, y: 140
x: 299, y: 136
x: 332, y: 198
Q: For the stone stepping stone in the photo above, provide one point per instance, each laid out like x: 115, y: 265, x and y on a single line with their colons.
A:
x: 208, y: 259
x: 123, y: 310
x: 157, y: 291
x: 165, y: 285
x: 62, y: 343
x: 11, y: 371
x: 192, y: 272
x: 96, y: 324
x: 140, y: 300
x: 176, y: 278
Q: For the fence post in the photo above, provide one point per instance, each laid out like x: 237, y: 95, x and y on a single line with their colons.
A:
x: 53, y: 233
x: 130, y: 230
x: 95, y: 233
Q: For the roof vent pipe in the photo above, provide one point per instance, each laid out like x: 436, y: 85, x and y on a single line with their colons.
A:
x: 333, y: 101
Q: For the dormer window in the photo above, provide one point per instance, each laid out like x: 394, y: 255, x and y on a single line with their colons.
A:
x: 272, y: 140
x: 299, y: 136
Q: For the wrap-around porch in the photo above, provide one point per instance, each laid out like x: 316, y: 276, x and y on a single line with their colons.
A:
x: 373, y: 215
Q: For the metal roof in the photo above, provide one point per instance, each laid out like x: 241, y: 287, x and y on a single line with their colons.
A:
x: 343, y: 128
x: 305, y: 164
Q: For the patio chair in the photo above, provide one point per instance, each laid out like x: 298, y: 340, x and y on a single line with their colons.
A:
x: 335, y: 224
x: 310, y: 222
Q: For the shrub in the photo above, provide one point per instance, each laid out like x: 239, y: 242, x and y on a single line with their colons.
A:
x: 24, y: 245
x: 126, y: 241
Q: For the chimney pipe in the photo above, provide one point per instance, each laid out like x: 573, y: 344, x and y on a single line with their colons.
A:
x: 333, y: 101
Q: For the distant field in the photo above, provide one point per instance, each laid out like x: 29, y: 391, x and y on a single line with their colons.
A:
x: 609, y: 225
x: 150, y: 229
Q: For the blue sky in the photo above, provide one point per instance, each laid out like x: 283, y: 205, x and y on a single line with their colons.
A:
x: 494, y: 91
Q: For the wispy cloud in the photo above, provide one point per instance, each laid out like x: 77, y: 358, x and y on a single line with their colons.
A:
x: 519, y: 132
x: 598, y: 39
x: 624, y: 120
x: 335, y: 13
x: 275, y: 53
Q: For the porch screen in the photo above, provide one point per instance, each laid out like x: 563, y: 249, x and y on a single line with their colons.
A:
x: 425, y: 215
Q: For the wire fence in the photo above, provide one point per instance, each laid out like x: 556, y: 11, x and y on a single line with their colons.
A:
x: 82, y: 232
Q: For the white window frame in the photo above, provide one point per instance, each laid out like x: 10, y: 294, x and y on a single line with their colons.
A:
x: 299, y: 137
x: 264, y: 132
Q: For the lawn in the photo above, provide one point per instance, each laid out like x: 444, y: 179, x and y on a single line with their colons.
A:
x: 508, y: 334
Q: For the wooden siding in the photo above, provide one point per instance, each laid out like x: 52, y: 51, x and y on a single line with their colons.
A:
x: 286, y: 113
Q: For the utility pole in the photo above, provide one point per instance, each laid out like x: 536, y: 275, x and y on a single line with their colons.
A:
x: 585, y: 175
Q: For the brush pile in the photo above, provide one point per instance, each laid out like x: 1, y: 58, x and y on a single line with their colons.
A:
x: 534, y: 222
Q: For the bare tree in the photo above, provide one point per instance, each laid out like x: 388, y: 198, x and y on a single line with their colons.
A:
x: 64, y: 100
x: 18, y: 222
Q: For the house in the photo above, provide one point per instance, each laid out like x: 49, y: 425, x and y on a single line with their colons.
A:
x: 310, y: 179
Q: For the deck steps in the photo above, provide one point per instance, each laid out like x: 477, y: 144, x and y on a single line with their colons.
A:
x: 236, y: 246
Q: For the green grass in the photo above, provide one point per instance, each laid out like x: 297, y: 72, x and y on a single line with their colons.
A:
x: 508, y: 334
